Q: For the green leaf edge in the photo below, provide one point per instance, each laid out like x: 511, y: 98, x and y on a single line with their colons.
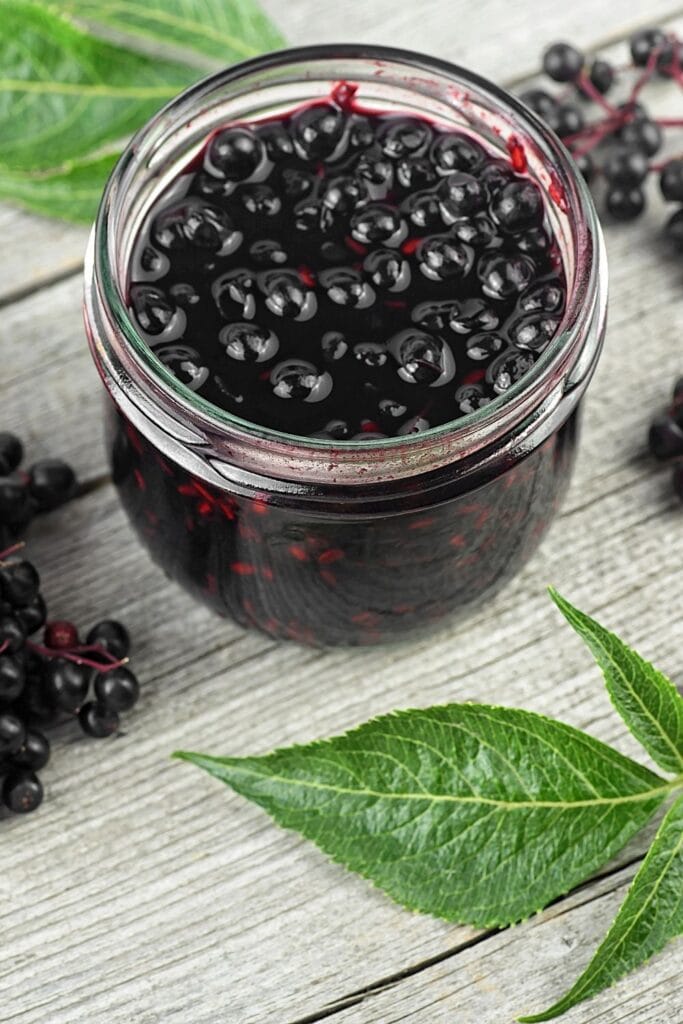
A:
x: 576, y: 618
x: 568, y: 1001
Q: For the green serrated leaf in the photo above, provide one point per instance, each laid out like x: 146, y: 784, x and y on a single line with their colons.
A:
x: 72, y: 193
x: 650, y: 916
x: 227, y: 30
x: 473, y: 813
x: 64, y: 94
x: 647, y: 701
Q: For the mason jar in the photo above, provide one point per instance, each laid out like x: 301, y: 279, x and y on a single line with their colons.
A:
x: 322, y: 541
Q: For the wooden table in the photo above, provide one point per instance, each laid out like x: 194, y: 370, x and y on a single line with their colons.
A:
x: 145, y: 893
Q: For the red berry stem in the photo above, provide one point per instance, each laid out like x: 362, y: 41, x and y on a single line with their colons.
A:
x: 73, y: 655
x: 12, y: 550
x: 586, y: 86
x: 3, y: 646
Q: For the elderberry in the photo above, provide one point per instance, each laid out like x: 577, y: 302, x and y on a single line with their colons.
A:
x: 665, y: 436
x: 44, y: 683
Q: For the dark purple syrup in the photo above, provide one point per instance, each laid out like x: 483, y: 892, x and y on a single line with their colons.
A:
x: 345, y: 274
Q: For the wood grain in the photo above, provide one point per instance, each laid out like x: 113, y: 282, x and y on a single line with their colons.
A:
x: 144, y: 893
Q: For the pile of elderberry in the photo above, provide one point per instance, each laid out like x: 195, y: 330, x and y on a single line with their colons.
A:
x: 44, y: 486
x: 666, y: 436
x: 45, y: 683
x: 619, y: 144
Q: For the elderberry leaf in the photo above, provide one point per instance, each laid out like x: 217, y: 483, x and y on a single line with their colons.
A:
x: 647, y: 701
x: 64, y: 93
x: 472, y: 813
x: 650, y: 916
x: 221, y: 30
x: 72, y: 193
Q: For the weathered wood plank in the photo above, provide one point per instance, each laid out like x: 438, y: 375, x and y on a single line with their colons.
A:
x: 42, y: 247
x: 523, y: 970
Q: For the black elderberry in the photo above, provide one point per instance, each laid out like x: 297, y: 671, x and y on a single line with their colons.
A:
x: 19, y: 583
x: 673, y: 229
x: 643, y: 135
x: 665, y: 438
x: 566, y: 120
x: 193, y: 223
x: 478, y: 231
x: 11, y: 452
x: 344, y: 194
x: 472, y: 315
x: 34, y: 752
x: 22, y: 792
x: 563, y: 62
x: 12, y: 734
x: 423, y: 210
x: 66, y: 684
x: 508, y: 369
x: 260, y: 200
x: 644, y: 43
x: 504, y: 276
x: 111, y: 635
x: 601, y: 75
x: 317, y: 131
x: 152, y: 308
x: 534, y: 242
x: 443, y: 258
x: 482, y: 347
x: 117, y: 689
x: 277, y: 141
x: 671, y: 180
x: 15, y: 506
x: 377, y: 222
x: 12, y: 676
x: 404, y: 137
x: 518, y: 206
x: 625, y: 202
x: 452, y: 151
x: 51, y: 483
x: 625, y: 167
x: 234, y: 154
x: 97, y: 720
x: 540, y: 101
x: 12, y: 633
x: 415, y: 173
x: 534, y: 331
x: 346, y: 286
x: 461, y: 195
x: 387, y: 269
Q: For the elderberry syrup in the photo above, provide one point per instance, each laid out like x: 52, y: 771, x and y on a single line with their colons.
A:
x: 345, y: 339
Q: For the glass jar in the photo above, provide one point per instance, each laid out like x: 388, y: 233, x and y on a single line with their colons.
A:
x: 321, y: 541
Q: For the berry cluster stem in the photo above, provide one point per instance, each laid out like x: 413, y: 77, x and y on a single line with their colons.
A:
x: 75, y: 654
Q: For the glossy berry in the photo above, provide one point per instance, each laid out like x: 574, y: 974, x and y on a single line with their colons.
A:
x: 66, y: 684
x: 19, y: 583
x: 502, y: 277
x: 117, y: 690
x: 12, y: 676
x: 97, y: 720
x: 625, y: 167
x: 461, y: 195
x: 624, y: 202
x: 601, y: 75
x: 404, y: 137
x: 22, y: 792
x: 665, y: 438
x: 60, y: 635
x: 34, y: 752
x: 644, y: 42
x: 51, y: 483
x: 12, y: 734
x: 673, y: 229
x: 563, y: 62
x: 566, y: 120
x: 455, y: 152
x: 152, y: 308
x: 317, y: 131
x: 12, y: 633
x: 11, y: 452
x: 518, y: 206
x: 15, y: 506
x: 234, y: 154
x: 671, y: 181
x: 642, y: 135
x: 111, y: 635
x: 540, y: 101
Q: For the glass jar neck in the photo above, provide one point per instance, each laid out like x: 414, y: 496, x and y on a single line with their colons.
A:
x: 220, y: 447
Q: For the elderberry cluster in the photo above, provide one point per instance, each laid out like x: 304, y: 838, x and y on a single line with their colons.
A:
x: 618, y: 145
x: 666, y: 436
x: 44, y: 683
x: 23, y: 494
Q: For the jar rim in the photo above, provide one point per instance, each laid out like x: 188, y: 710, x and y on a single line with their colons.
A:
x: 584, y: 291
